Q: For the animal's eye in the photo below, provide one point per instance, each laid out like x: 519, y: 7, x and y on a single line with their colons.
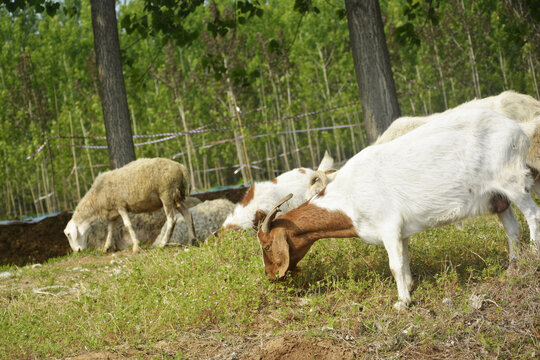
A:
x: 267, y: 248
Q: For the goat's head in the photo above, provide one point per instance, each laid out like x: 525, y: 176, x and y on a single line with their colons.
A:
x: 77, y: 236
x: 274, y: 244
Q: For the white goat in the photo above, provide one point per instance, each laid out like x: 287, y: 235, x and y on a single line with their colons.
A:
x: 143, y: 185
x: 460, y: 165
x: 518, y: 107
x: 262, y: 196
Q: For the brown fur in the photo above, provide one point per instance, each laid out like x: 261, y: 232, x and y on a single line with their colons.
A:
x: 499, y: 203
x: 303, y: 171
x: 258, y: 219
x: 293, y: 233
x: 248, y: 196
x: 274, y: 180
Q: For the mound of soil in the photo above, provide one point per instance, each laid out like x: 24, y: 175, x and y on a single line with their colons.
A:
x: 23, y: 242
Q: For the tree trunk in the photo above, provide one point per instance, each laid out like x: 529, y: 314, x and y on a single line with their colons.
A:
x: 372, y: 64
x: 112, y: 90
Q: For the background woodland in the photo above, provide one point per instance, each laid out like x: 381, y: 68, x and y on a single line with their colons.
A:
x: 241, y: 105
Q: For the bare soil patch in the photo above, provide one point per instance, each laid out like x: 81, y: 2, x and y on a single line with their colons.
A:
x: 292, y: 347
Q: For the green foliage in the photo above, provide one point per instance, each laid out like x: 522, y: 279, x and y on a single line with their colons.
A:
x: 188, y: 64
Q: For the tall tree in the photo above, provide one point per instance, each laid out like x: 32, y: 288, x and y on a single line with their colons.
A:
x: 372, y: 65
x: 112, y: 90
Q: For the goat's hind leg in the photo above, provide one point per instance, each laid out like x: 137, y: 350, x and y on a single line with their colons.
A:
x: 398, y: 257
x: 532, y: 214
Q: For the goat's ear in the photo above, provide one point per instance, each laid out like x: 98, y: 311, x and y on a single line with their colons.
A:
x: 280, y: 250
x: 260, y: 215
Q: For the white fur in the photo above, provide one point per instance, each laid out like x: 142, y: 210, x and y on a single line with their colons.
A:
x: 267, y: 193
x: 444, y: 171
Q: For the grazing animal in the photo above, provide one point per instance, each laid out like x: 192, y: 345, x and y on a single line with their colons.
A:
x: 459, y: 165
x: 143, y: 185
x: 262, y: 196
x: 518, y: 107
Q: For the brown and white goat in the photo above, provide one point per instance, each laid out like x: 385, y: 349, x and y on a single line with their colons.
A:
x: 460, y: 165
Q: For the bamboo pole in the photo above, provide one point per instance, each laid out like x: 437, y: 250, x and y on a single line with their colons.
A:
x: 503, y: 71
x: 87, y: 150
x: 419, y: 78
x: 291, y: 122
x: 439, y: 66
x: 187, y: 141
x: 42, y: 210
x: 268, y: 146
x: 18, y: 200
x: 472, y: 56
x: 533, y: 74
x: 353, y: 140
x: 44, y: 178
x: 310, y: 144
x: 74, y: 160
x: 34, y: 198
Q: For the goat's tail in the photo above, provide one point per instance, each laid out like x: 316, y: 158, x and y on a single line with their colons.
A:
x: 532, y: 129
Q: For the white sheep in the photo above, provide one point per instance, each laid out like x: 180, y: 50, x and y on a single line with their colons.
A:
x: 262, y: 196
x: 518, y: 107
x: 459, y: 165
x: 143, y: 185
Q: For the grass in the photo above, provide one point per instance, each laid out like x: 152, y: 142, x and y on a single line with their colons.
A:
x: 345, y: 291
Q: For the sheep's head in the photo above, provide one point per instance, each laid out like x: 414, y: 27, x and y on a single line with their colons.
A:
x: 274, y: 244
x: 76, y: 236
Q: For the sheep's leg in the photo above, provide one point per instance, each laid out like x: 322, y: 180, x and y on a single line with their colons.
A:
x: 189, y: 223
x: 512, y: 229
x: 532, y: 214
x: 110, y: 229
x: 127, y: 223
x: 399, y: 266
x: 164, y: 236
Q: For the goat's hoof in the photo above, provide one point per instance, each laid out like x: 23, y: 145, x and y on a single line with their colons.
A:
x: 401, y: 306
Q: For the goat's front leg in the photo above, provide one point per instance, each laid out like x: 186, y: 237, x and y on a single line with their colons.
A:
x: 398, y: 257
x: 110, y: 229
x: 127, y: 223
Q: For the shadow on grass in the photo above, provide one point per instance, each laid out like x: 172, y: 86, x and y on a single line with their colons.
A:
x: 477, y: 250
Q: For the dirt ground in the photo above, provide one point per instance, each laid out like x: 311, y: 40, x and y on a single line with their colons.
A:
x: 23, y: 242
x: 291, y: 347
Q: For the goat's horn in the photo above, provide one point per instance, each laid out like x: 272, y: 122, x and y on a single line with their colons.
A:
x: 265, y: 225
